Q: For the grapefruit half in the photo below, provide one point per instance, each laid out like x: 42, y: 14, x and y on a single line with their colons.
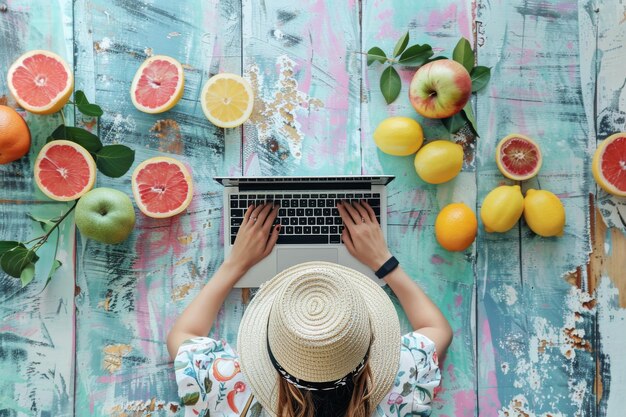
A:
x: 518, y: 157
x: 64, y: 170
x: 40, y: 81
x: 158, y: 84
x: 162, y: 187
x: 609, y: 164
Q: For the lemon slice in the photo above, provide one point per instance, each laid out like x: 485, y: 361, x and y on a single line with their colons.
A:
x: 227, y: 100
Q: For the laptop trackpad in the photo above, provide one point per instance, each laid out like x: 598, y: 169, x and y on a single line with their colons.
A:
x: 286, y: 257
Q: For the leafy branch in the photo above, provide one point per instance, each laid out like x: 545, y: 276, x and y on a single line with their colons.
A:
x: 18, y: 259
x: 418, y: 55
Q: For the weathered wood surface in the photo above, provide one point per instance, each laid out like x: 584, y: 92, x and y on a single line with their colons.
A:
x: 538, y: 322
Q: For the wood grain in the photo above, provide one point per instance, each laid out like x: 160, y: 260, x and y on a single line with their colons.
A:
x: 448, y: 278
x: 36, y: 330
x: 130, y: 294
x: 535, y: 330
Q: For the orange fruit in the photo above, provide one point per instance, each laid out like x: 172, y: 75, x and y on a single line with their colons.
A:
x: 158, y: 85
x: 456, y: 226
x: 40, y: 81
x: 518, y: 157
x: 64, y: 170
x: 14, y: 135
x: 227, y: 100
x: 162, y: 187
x: 609, y: 164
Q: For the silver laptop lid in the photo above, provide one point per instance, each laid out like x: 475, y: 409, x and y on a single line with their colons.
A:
x: 338, y: 181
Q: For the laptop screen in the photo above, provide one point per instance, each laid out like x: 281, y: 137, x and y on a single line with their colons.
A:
x: 310, y: 183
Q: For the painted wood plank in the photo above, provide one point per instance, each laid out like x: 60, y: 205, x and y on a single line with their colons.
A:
x: 37, y: 332
x: 602, y: 27
x: 304, y: 64
x: 130, y: 294
x: 448, y: 278
x: 535, y: 330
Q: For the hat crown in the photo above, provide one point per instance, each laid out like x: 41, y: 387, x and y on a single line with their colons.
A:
x: 319, y: 327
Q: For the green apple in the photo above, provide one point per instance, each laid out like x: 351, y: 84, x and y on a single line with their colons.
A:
x: 105, y: 215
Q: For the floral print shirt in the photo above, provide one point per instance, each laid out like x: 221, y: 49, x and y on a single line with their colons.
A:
x: 210, y: 382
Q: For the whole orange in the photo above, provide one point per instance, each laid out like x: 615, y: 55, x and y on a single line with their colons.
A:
x: 14, y: 135
x: 456, y: 226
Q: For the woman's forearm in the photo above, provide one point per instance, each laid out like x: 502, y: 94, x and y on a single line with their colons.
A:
x: 422, y: 313
x: 197, y: 319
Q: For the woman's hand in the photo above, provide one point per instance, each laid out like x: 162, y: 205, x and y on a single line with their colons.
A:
x: 362, y: 234
x: 254, y: 241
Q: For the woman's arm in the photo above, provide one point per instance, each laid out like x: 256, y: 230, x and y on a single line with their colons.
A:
x: 251, y: 245
x: 364, y: 239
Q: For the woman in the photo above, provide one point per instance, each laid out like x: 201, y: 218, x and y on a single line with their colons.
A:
x: 318, y: 339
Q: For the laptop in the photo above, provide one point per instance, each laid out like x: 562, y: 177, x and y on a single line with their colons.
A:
x: 310, y: 223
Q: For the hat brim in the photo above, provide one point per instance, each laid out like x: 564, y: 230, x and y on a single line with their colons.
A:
x: 384, y: 353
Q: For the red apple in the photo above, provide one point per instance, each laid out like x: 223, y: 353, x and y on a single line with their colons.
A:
x: 440, y: 89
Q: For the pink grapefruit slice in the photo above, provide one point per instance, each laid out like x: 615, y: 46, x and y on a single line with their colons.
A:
x: 158, y: 84
x: 40, y: 81
x: 609, y: 164
x: 518, y: 157
x: 162, y: 187
x: 64, y: 170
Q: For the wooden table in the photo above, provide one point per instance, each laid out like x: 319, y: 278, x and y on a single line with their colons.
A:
x: 538, y: 323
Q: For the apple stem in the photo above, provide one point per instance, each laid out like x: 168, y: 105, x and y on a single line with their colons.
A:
x: 44, y: 238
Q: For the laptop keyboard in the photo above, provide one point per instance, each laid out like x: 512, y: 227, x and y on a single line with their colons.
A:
x: 305, y: 218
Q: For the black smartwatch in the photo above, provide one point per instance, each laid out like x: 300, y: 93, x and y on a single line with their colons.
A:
x: 391, y: 264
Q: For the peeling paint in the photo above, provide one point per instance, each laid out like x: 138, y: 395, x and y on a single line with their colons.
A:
x: 169, y: 135
x: 142, y: 408
x: 113, y: 354
x: 279, y: 111
x: 180, y: 292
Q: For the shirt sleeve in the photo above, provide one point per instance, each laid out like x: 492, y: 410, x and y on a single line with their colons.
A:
x: 427, y: 373
x: 209, y: 378
x: 417, y: 378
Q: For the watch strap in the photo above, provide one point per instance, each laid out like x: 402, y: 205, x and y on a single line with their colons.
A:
x: 391, y: 264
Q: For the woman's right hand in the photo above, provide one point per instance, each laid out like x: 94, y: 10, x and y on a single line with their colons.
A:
x: 362, y: 234
x: 254, y: 241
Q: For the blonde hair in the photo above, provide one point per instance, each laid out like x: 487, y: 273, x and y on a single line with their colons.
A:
x: 293, y: 402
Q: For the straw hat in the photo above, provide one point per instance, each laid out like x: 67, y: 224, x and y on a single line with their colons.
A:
x: 319, y: 321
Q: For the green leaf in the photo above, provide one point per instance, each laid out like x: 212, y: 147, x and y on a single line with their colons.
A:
x: 437, y: 58
x: 469, y: 115
x: 208, y: 384
x: 191, y: 398
x: 416, y: 55
x: 27, y: 275
x: 77, y: 135
x: 86, y: 108
x: 255, y: 410
x: 453, y: 123
x: 115, y: 160
x: 15, y: 260
x: 55, y: 265
x: 390, y: 84
x: 7, y: 245
x: 401, y: 44
x: 480, y: 77
x: 407, y: 388
x: 463, y: 54
x: 376, y: 54
x: 46, y: 224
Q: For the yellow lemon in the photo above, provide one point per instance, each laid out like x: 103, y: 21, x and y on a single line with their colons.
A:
x: 502, y: 208
x: 439, y: 161
x: 399, y: 136
x: 455, y: 227
x: 544, y: 213
x: 227, y: 100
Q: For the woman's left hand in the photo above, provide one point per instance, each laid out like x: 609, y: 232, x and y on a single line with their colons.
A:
x: 254, y: 240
